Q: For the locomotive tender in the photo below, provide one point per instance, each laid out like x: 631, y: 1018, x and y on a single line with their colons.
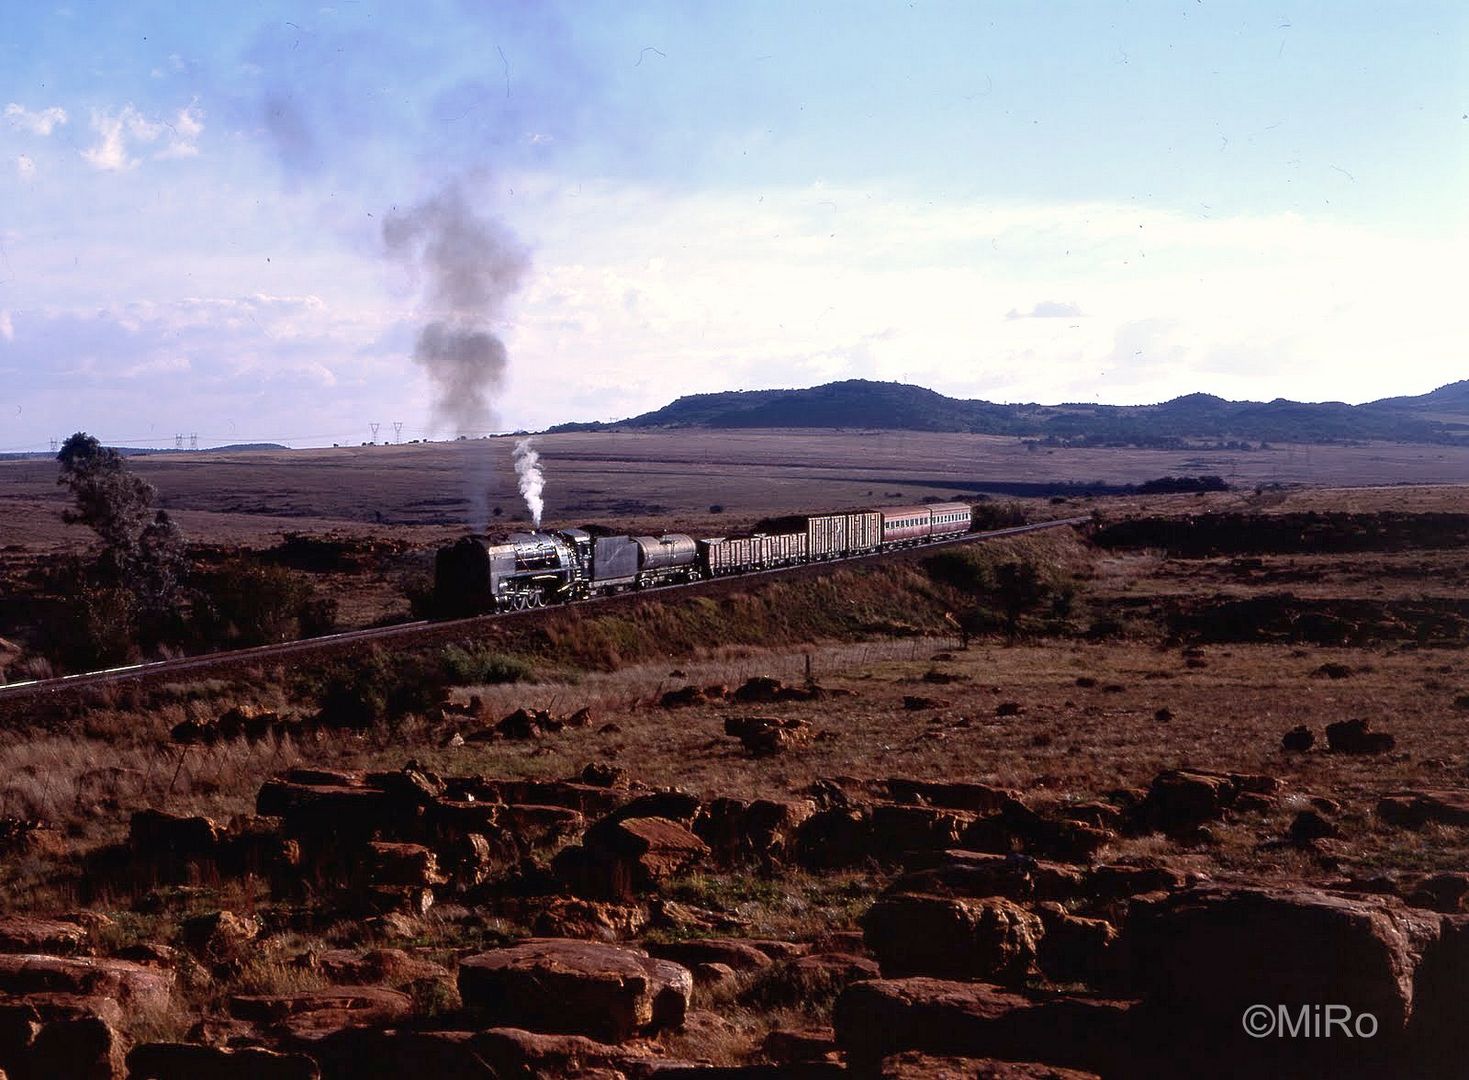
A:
x: 532, y: 569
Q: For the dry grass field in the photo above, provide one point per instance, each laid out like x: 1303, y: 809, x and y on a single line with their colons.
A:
x: 1130, y: 730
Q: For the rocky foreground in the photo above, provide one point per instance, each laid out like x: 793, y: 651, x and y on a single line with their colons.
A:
x: 1001, y: 945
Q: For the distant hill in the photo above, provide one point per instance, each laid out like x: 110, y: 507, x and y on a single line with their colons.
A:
x: 1441, y: 416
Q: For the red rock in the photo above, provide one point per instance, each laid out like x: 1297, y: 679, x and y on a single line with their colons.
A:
x: 61, y: 1035
x: 951, y: 794
x: 587, y: 920
x: 1117, y: 881
x: 1076, y: 949
x: 404, y: 865
x: 917, y: 1066
x: 807, y: 980
x: 562, y: 986
x: 1215, y: 950
x: 1414, y: 809
x: 379, y: 967
x: 790, y: 1046
x: 736, y: 955
x: 972, y: 873
x: 157, y: 833
x: 880, y: 1018
x: 651, y: 849
x: 898, y: 829
x: 308, y: 1015
x: 27, y: 934
x: 834, y: 838
x: 535, y: 825
x: 131, y: 985
x: 189, y: 1061
x: 220, y: 937
x: 494, y: 1054
x: 991, y: 939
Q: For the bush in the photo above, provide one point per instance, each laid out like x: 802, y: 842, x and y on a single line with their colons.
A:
x: 246, y: 603
x: 468, y: 666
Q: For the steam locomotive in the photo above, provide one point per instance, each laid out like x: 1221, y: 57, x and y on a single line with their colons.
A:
x: 533, y: 569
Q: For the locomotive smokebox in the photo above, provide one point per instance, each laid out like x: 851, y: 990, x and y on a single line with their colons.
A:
x: 461, y: 578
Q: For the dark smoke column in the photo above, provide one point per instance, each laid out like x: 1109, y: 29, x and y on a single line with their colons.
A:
x: 468, y: 266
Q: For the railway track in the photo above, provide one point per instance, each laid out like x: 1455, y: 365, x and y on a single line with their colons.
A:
x: 428, y: 631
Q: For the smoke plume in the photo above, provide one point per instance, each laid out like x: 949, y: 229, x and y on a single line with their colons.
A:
x: 532, y: 480
x: 468, y: 266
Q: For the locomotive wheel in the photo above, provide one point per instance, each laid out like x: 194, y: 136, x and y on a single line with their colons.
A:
x: 538, y: 599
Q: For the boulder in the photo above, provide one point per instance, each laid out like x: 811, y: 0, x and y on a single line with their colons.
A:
x: 220, y: 938
x: 1075, y: 949
x: 189, y: 1061
x: 61, y: 1035
x: 588, y: 920
x: 404, y: 865
x: 880, y: 1018
x: 757, y: 831
x: 1353, y: 737
x: 1180, y: 800
x: 763, y: 736
x: 1212, y: 951
x: 652, y: 848
x: 156, y: 834
x: 561, y: 986
x: 1298, y: 739
x: 991, y: 939
x: 671, y: 803
x: 833, y: 838
x: 897, y: 829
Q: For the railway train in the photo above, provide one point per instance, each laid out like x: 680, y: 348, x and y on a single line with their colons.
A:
x: 533, y: 569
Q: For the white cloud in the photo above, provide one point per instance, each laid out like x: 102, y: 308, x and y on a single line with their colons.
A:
x: 7, y: 328
x: 119, y: 132
x: 1047, y: 309
x: 185, y: 129
x: 40, y: 122
x: 25, y: 166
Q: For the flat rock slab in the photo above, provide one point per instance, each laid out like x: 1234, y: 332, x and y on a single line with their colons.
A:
x: 493, y: 1054
x: 188, y: 1061
x: 883, y: 1017
x: 25, y: 934
x: 564, y: 986
x: 1414, y: 809
x: 310, y: 1015
x: 916, y: 1066
x: 131, y: 985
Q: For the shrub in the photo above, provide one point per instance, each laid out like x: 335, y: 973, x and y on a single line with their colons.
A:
x: 469, y: 666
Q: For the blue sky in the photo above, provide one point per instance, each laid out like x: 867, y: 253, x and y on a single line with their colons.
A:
x: 1015, y: 201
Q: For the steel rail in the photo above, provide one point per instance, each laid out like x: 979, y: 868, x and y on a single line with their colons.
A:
x: 343, y: 639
